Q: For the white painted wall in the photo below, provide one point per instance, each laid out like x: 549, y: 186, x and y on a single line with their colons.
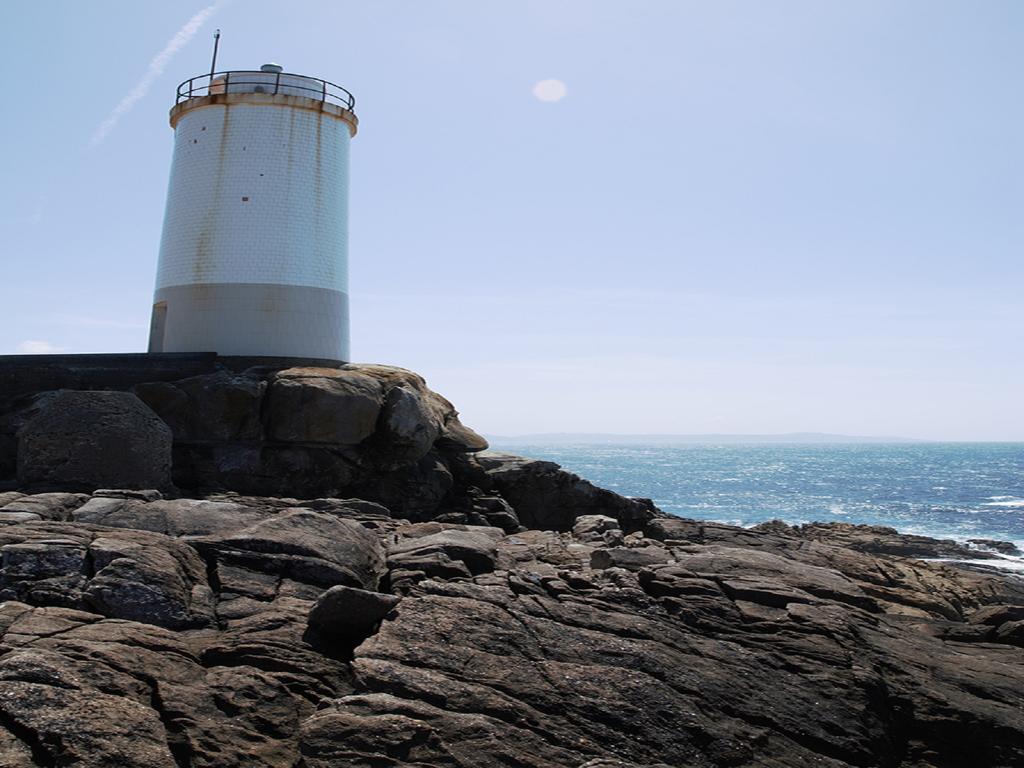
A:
x: 258, y: 194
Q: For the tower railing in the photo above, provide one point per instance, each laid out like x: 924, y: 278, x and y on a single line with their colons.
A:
x: 252, y: 81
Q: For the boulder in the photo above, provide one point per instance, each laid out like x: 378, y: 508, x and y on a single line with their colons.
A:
x: 594, y: 527
x: 545, y: 496
x: 408, y: 428
x: 473, y: 546
x: 456, y: 436
x: 87, y: 440
x: 1011, y: 633
x: 994, y: 615
x: 350, y: 614
x: 323, y: 405
x: 216, y: 407
x: 675, y: 529
x: 995, y: 545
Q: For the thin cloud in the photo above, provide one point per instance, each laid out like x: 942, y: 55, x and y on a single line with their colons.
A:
x: 156, y: 68
x: 37, y: 347
x: 86, y: 321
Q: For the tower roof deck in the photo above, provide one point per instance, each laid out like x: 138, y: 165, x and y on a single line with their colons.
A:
x: 270, y: 85
x: 265, y: 82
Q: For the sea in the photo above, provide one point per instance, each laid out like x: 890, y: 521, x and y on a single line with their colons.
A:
x: 947, y: 490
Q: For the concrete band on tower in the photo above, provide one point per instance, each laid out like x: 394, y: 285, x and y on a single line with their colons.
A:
x: 254, y: 252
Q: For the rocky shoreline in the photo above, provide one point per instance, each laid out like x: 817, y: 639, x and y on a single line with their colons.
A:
x: 324, y: 568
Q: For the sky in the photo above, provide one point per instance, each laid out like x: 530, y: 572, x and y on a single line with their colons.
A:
x: 656, y: 216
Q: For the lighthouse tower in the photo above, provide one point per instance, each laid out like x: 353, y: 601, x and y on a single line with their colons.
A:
x: 254, y: 253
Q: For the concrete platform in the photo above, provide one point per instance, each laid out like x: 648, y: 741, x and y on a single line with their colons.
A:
x: 25, y: 374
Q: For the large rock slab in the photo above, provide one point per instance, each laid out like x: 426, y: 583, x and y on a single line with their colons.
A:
x: 123, y: 574
x: 476, y: 547
x: 323, y: 405
x: 177, y: 517
x: 81, y: 441
x: 80, y: 690
x: 305, y: 546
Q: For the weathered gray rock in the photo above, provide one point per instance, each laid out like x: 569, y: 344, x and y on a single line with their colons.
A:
x: 45, y: 506
x: 9, y: 496
x: 178, y: 517
x: 72, y: 721
x: 88, y: 440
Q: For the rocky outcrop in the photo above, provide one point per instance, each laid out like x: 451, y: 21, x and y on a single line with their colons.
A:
x: 342, y: 578
x: 544, y: 496
x: 262, y: 631
x: 373, y: 432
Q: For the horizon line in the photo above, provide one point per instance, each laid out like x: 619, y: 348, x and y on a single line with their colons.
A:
x: 711, y: 437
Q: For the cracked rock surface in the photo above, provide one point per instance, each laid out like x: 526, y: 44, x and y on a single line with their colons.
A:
x: 258, y: 631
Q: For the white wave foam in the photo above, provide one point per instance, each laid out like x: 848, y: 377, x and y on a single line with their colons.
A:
x: 1008, y: 503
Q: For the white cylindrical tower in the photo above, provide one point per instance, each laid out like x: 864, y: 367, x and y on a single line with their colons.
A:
x: 254, y: 253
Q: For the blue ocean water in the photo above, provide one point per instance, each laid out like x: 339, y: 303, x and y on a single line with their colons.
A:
x: 947, y: 490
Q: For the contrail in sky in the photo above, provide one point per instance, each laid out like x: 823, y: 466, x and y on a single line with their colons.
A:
x: 156, y: 68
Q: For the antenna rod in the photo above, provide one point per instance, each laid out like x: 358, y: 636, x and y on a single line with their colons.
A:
x: 213, y: 64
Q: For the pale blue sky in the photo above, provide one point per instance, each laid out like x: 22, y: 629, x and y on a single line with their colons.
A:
x: 742, y: 217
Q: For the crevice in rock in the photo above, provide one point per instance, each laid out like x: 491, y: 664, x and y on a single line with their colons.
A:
x: 40, y: 754
x: 88, y: 563
x: 177, y: 739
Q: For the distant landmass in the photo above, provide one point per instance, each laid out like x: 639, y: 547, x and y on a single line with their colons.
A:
x: 551, y: 438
